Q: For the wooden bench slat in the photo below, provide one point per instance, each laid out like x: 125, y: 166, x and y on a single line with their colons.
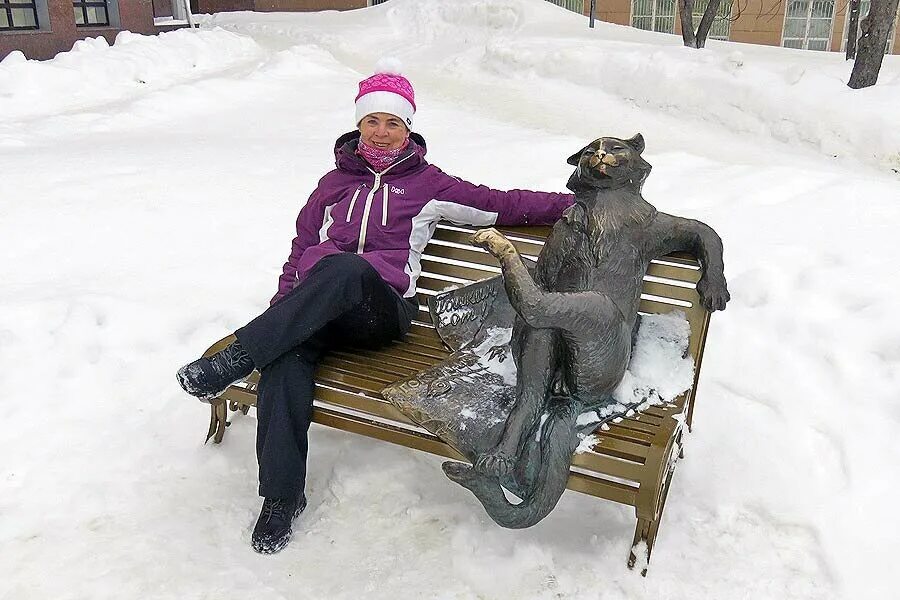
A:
x: 393, y: 362
x: 470, y: 254
x: 347, y: 364
x: 621, y: 448
x: 463, y: 238
x: 670, y: 291
x: 684, y: 274
x: 599, y: 463
x: 361, y: 403
x: 635, y: 425
x: 400, y: 355
x: 469, y: 273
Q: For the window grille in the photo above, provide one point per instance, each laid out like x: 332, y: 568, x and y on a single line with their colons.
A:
x: 807, y: 24
x: 374, y: 2
x: 90, y: 13
x: 864, y: 6
x: 16, y: 15
x: 653, y: 15
x: 576, y: 6
x: 721, y: 25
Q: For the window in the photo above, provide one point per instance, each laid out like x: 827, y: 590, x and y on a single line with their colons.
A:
x: 573, y: 5
x: 807, y: 24
x: 653, y: 15
x: 721, y: 25
x: 90, y: 13
x: 863, y: 11
x: 18, y: 14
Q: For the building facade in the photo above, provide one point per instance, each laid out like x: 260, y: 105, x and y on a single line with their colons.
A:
x: 803, y: 24
x: 41, y: 28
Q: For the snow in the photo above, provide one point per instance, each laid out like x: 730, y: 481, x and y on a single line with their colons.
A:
x: 143, y: 221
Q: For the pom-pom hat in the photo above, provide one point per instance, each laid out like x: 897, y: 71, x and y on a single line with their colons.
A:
x: 386, y: 92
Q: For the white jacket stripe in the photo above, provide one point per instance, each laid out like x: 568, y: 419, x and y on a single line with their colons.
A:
x: 423, y: 225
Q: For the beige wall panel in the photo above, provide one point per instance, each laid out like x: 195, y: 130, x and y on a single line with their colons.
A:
x: 612, y: 11
x: 760, y: 22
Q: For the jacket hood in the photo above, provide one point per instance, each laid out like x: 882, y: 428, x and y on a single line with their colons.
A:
x: 346, y: 158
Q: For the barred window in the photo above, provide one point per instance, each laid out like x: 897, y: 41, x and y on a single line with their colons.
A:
x: 90, y: 13
x: 807, y: 24
x: 18, y: 14
x: 653, y: 15
x: 721, y: 25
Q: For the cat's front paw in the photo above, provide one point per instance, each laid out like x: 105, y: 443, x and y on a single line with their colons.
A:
x: 713, y: 293
x: 496, y: 463
x: 493, y: 241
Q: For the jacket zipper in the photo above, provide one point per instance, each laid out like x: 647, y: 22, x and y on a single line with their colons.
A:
x: 369, y: 197
x: 353, y: 203
x: 384, y: 206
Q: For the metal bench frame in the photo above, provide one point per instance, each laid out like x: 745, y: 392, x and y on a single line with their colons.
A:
x: 634, y: 459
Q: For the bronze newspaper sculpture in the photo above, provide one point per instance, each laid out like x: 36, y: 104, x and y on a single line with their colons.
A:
x: 574, y: 324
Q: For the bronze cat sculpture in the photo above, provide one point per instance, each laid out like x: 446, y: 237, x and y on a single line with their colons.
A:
x: 572, y: 338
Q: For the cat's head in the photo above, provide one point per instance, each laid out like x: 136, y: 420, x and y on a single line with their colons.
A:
x: 609, y: 162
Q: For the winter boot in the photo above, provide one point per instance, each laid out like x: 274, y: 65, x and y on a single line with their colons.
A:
x: 206, y: 378
x: 273, y: 528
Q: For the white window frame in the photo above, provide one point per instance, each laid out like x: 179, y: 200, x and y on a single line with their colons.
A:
x: 806, y: 39
x: 43, y: 19
x: 653, y: 15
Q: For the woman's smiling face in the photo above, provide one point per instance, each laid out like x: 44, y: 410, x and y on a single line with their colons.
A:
x: 384, y: 131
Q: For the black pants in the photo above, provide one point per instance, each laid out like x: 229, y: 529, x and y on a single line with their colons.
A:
x: 343, y: 302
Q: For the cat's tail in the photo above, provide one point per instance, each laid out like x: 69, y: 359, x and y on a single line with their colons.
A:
x: 558, y: 442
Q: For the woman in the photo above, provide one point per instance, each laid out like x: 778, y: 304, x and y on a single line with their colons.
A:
x: 350, y: 280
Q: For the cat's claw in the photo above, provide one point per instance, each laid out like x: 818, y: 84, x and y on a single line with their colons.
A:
x: 495, y: 463
x: 497, y: 352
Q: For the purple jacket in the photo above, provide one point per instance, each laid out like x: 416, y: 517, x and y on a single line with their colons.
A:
x: 389, y: 217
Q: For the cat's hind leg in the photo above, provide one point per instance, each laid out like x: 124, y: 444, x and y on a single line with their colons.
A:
x: 536, y: 362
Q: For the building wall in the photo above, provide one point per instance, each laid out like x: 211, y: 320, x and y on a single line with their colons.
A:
x: 214, y: 6
x: 611, y: 11
x: 134, y: 15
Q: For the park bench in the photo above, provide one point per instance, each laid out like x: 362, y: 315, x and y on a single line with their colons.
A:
x: 632, y: 461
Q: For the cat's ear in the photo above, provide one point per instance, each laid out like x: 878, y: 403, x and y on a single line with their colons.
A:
x: 573, y: 160
x: 637, y: 142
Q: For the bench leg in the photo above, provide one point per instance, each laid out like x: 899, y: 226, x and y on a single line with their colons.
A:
x: 646, y: 530
x: 218, y: 421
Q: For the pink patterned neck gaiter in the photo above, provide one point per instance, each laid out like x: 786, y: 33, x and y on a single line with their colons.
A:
x: 378, y: 158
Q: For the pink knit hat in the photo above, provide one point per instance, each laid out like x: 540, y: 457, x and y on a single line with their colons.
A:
x: 387, y: 92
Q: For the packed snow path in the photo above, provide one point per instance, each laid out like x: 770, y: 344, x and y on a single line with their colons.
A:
x: 148, y: 193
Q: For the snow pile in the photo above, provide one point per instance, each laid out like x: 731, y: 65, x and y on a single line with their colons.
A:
x: 94, y: 73
x: 525, y: 45
x: 660, y: 368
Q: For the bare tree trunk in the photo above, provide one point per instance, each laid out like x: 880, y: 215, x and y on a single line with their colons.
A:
x: 686, y: 12
x: 852, y: 28
x: 706, y: 22
x: 691, y: 38
x: 875, y: 29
